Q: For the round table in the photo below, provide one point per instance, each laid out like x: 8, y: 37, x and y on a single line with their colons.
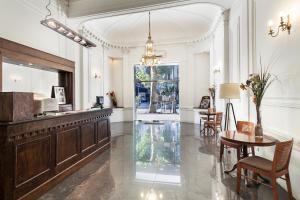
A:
x: 246, y: 140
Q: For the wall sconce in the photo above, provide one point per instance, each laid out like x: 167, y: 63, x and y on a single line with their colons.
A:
x: 217, y: 71
x: 15, y: 78
x: 97, y: 76
x: 284, y: 25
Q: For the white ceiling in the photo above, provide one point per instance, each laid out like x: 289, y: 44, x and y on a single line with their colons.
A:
x: 182, y: 23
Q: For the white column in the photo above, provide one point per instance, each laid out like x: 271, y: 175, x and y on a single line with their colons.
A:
x: 251, y: 9
x: 226, y: 15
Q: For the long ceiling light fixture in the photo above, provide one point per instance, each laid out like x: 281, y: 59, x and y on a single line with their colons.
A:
x: 149, y: 58
x: 64, y: 30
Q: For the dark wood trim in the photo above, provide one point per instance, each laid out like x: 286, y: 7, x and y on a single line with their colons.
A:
x: 67, y: 80
x: 1, y: 73
x: 27, y: 54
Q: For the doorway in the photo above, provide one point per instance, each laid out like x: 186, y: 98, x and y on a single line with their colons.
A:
x: 157, y: 92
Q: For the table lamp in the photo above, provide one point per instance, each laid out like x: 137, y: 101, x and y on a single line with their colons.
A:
x: 229, y: 91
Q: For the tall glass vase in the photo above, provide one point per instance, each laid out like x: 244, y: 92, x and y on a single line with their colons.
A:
x: 258, y: 127
x: 214, y: 104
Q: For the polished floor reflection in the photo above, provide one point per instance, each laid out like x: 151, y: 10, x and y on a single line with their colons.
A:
x: 157, y: 161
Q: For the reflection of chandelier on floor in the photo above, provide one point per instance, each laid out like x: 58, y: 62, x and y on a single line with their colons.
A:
x: 149, y: 58
x: 151, y: 195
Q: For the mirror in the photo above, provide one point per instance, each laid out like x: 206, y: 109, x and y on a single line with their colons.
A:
x: 25, y: 77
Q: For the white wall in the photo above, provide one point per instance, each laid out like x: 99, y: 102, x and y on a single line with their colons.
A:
x: 217, y: 66
x: 249, y: 40
x: 116, y: 81
x: 201, y: 70
x: 280, y: 111
x: 20, y: 22
x: 93, y: 60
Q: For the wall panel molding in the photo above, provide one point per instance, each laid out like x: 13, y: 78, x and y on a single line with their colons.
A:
x: 282, y: 135
x: 282, y: 102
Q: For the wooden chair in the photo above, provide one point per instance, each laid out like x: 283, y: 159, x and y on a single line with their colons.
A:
x: 243, y: 127
x: 272, y: 169
x: 204, y: 105
x: 215, y: 124
x: 204, y: 118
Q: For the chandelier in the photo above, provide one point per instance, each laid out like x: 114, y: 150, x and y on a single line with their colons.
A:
x: 149, y: 58
x: 151, y: 195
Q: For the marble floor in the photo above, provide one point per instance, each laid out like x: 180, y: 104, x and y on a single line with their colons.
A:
x: 157, y: 161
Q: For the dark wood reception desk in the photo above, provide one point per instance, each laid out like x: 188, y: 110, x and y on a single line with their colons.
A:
x: 36, y: 154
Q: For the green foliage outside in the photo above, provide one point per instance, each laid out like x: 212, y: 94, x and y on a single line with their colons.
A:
x: 142, y: 75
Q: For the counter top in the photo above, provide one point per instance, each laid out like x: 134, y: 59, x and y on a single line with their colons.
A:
x: 57, y: 115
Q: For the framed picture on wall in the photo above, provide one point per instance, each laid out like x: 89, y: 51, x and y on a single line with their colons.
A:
x: 59, y: 94
x: 205, y: 102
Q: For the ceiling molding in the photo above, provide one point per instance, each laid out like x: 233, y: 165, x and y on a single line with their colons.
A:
x: 117, y: 32
x: 93, y: 35
x: 98, y: 38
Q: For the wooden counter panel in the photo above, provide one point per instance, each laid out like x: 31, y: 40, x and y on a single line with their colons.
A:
x: 32, y: 159
x: 88, y: 136
x: 67, y: 145
x: 102, y: 130
x: 37, y: 154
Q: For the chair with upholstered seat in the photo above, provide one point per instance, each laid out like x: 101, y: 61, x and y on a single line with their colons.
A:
x: 243, y: 127
x: 273, y: 169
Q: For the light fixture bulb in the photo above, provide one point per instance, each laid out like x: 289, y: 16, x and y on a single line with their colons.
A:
x: 62, y: 29
x: 152, y: 195
x: 270, y: 23
x: 83, y: 42
x: 51, y: 24
x: 77, y: 38
x: 161, y: 196
x: 70, y: 34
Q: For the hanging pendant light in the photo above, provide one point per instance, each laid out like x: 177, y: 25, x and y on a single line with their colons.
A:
x: 149, y: 58
x: 64, y: 30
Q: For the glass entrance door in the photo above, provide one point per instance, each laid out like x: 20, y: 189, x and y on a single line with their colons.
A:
x: 157, y: 89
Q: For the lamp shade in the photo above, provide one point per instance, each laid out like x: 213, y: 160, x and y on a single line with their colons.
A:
x: 230, y: 91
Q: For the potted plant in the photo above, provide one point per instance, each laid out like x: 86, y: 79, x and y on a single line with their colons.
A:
x: 258, y: 84
x: 113, y: 98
